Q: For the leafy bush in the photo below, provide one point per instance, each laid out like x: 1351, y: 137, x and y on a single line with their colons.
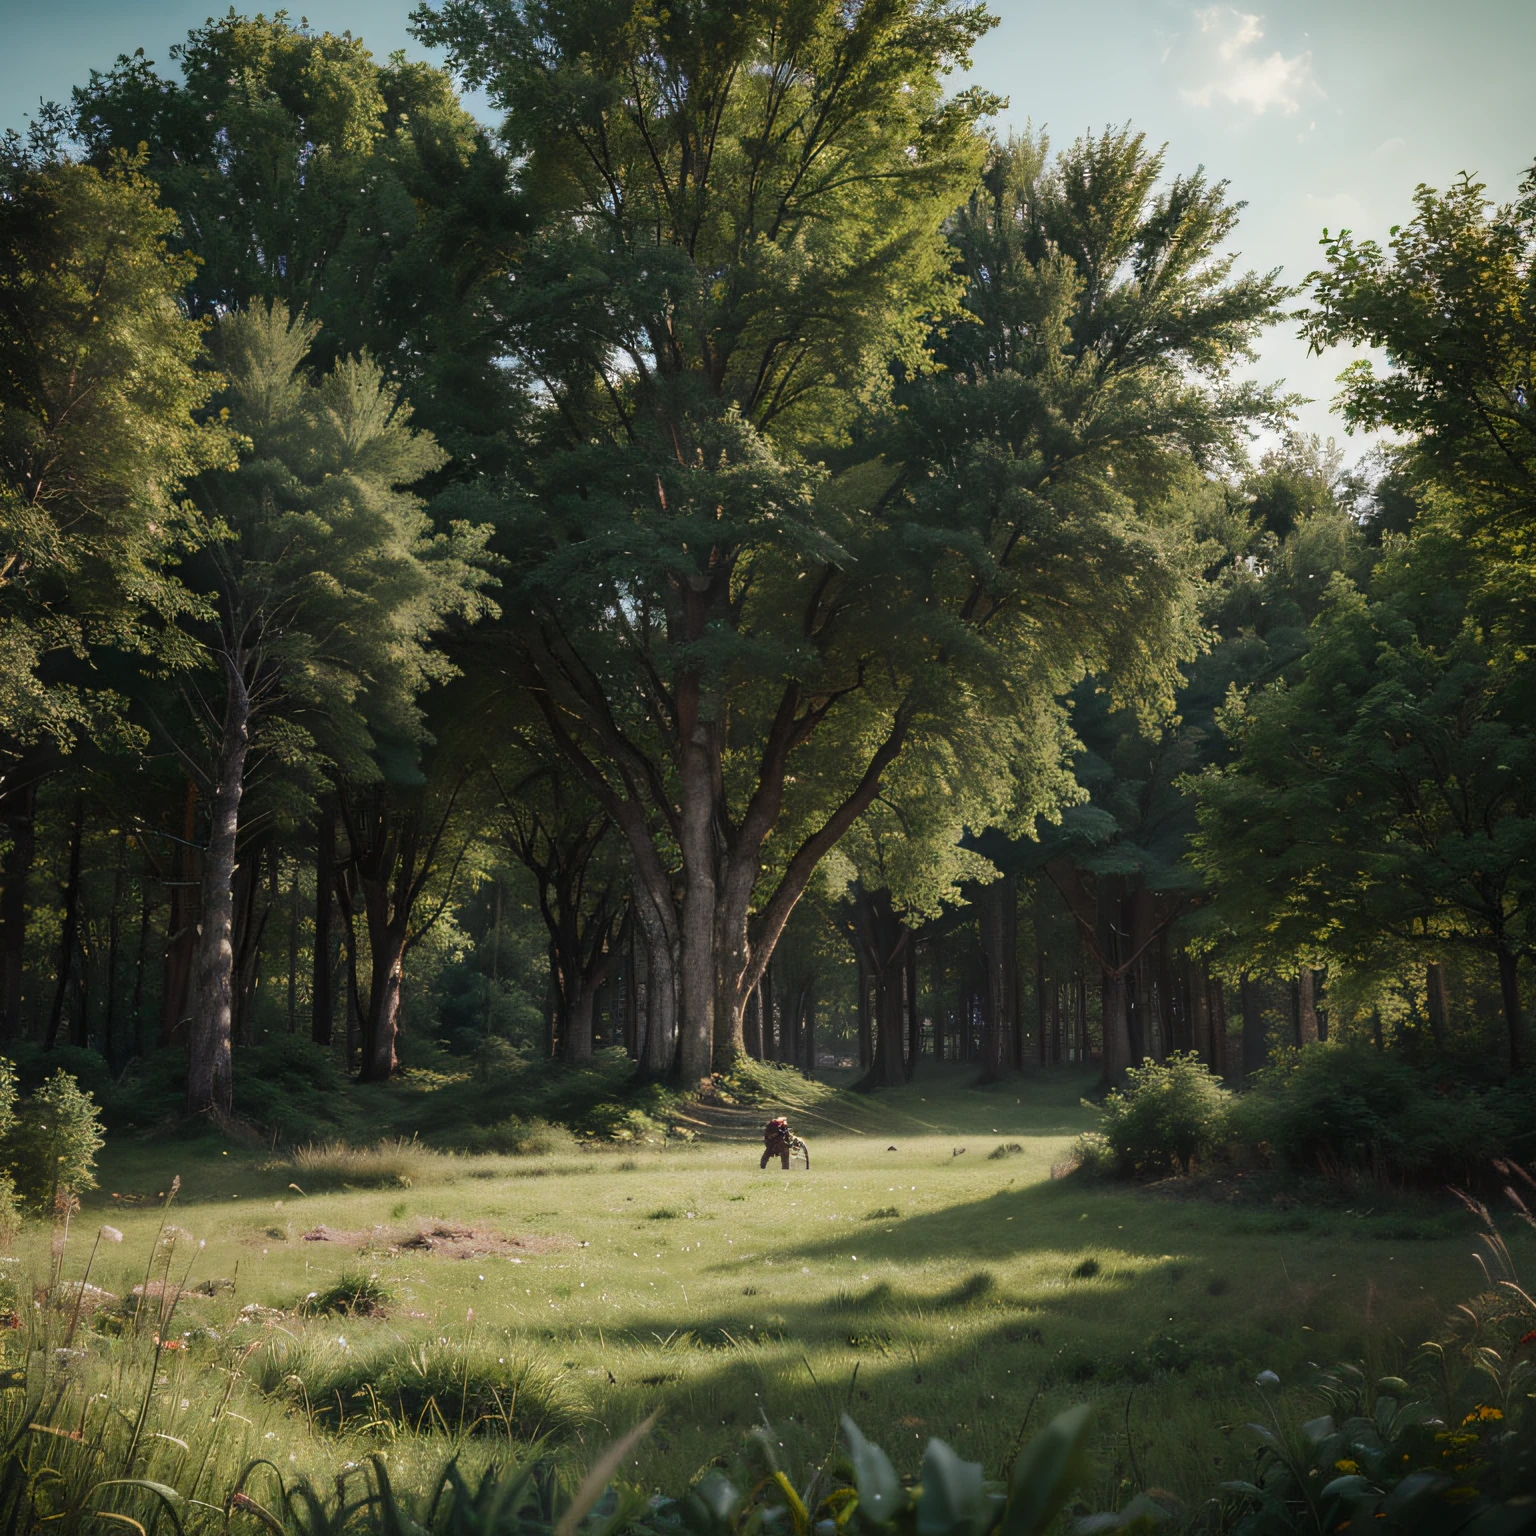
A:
x: 518, y: 1137
x: 53, y: 1143
x: 288, y: 1084
x: 1348, y: 1109
x: 1167, y: 1115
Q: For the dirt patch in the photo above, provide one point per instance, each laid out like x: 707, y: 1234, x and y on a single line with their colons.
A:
x: 447, y: 1238
x: 472, y: 1242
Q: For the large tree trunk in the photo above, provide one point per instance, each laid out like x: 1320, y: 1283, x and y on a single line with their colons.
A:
x: 1509, y: 993
x: 381, y: 1024
x: 210, y: 1084
x: 1117, y: 1029
x: 18, y: 809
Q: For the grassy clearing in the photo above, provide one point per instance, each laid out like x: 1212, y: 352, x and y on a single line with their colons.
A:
x: 913, y: 1277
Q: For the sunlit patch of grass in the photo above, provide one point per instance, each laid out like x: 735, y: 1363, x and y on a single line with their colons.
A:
x: 388, y: 1164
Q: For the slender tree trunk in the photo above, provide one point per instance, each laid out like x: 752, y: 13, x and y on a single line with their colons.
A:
x: 181, y: 928
x: 936, y: 989
x: 114, y: 928
x: 140, y: 1045
x: 1218, y: 996
x: 914, y: 1018
x: 293, y: 951
x: 322, y: 1003
x: 1509, y: 993
x: 18, y: 810
x: 999, y: 920
x: 866, y: 1031
x: 1200, y: 999
x: 1439, y: 1004
x: 1255, y: 1050
x: 69, y: 936
x: 810, y: 1033
x: 210, y: 1084
x: 1043, y: 1051
x: 1082, y: 1017
x: 1306, y: 1007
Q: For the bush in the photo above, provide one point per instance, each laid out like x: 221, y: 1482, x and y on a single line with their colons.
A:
x: 53, y: 1143
x: 1166, y: 1116
x: 1347, y: 1109
x: 517, y: 1136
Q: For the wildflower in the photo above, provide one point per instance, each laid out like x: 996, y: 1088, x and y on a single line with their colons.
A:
x: 1346, y: 1465
x: 1266, y: 1379
x: 111, y: 1234
x: 1481, y: 1414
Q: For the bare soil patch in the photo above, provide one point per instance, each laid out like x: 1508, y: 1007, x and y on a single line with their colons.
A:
x: 447, y: 1238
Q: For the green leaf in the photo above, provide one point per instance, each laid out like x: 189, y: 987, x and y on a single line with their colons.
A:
x: 880, y: 1491
x: 1050, y: 1467
x: 953, y: 1500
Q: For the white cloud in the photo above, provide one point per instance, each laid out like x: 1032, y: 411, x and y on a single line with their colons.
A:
x: 1228, y: 59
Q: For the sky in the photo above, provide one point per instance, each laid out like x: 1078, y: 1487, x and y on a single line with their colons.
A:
x: 1319, y: 113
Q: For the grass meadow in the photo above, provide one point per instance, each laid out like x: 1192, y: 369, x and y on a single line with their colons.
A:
x: 928, y: 1274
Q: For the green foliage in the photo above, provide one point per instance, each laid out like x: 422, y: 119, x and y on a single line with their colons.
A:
x: 1168, y: 1115
x: 101, y: 390
x: 361, y: 192
x: 1348, y: 1111
x: 54, y: 1141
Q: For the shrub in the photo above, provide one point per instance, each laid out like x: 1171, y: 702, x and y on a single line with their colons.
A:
x: 518, y: 1137
x: 1167, y: 1115
x: 53, y: 1143
x: 1346, y: 1109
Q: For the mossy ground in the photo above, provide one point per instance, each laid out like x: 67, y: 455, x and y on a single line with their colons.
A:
x: 910, y: 1277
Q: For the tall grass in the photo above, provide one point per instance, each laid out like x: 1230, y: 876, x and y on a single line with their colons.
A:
x: 396, y: 1163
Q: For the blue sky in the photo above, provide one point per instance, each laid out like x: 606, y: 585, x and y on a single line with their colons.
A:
x: 1319, y: 114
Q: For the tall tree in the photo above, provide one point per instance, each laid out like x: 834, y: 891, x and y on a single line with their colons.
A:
x: 744, y: 245
x: 100, y: 389
x: 328, y: 587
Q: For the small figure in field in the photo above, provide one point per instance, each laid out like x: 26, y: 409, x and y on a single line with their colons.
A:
x: 779, y: 1141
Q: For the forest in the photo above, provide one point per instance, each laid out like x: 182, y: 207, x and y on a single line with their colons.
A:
x: 742, y: 584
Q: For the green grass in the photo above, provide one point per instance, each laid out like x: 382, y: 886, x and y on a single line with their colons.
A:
x: 912, y: 1277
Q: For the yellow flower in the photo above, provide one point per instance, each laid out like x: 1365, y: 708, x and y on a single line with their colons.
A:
x: 1346, y: 1466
